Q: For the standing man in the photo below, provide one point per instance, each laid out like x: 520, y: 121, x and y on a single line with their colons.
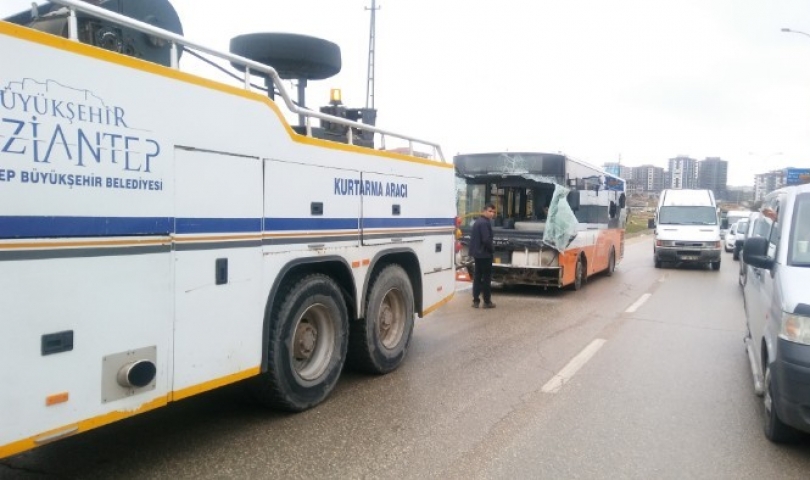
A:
x: 481, y: 250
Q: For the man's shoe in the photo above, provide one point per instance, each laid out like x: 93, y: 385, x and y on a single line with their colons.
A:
x: 476, y: 304
x: 489, y: 305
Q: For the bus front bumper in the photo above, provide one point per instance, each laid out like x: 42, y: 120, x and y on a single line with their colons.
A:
x: 540, y: 276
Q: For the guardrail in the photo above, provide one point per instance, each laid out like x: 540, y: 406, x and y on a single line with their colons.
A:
x: 249, y: 65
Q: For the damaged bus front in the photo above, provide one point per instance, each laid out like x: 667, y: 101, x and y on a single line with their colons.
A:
x: 559, y: 220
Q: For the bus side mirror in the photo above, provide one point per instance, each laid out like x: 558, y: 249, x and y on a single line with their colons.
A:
x: 573, y: 199
x: 622, y: 200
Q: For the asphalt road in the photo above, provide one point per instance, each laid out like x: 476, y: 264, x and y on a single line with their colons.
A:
x: 638, y: 375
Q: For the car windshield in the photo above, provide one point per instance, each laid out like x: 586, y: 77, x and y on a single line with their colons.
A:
x: 687, y: 215
x: 800, y: 233
x: 742, y: 226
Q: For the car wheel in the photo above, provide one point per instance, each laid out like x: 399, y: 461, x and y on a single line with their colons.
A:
x: 657, y: 263
x: 716, y: 265
x: 775, y: 430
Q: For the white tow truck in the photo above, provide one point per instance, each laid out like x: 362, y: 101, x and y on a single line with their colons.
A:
x: 163, y: 234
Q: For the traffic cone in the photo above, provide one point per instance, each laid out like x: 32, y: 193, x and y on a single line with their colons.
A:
x: 462, y: 275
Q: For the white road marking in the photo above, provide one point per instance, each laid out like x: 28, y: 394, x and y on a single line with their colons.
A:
x: 638, y: 303
x: 563, y: 376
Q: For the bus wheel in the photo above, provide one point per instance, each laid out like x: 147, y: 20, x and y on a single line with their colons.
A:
x: 579, y: 275
x: 611, y: 262
x: 307, y: 345
x: 378, y: 343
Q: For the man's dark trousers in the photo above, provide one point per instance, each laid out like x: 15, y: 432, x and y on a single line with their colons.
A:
x: 482, y: 280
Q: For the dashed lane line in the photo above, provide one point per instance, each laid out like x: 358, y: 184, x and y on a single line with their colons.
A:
x: 632, y: 308
x: 563, y: 376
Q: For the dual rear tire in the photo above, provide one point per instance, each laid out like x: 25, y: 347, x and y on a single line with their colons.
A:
x: 307, y: 345
x: 379, y: 342
x: 310, y: 337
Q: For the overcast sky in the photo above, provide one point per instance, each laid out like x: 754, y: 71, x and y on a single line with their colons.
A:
x: 639, y: 81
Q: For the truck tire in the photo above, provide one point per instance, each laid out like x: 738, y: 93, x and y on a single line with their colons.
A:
x: 775, y: 430
x: 378, y: 343
x: 306, y: 347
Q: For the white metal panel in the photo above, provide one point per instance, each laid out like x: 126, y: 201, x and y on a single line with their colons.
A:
x: 71, y: 141
x: 46, y: 296
x: 381, y: 195
x: 441, y: 208
x: 218, y: 328
x: 291, y: 189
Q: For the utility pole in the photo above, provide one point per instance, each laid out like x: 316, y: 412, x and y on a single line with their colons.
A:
x: 371, y: 42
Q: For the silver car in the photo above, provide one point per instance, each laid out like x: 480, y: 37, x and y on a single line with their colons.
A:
x: 777, y: 309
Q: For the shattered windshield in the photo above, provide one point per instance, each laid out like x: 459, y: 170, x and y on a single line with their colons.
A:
x: 562, y: 224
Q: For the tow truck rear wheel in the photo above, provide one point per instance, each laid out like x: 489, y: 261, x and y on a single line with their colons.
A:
x: 378, y: 343
x: 306, y: 346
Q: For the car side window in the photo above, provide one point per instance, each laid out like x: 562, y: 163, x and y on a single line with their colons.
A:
x: 775, y: 233
x: 762, y: 228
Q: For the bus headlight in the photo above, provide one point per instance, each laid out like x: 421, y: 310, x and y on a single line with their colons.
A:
x: 795, y: 328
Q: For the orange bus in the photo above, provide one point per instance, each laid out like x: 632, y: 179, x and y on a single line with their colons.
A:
x: 559, y: 220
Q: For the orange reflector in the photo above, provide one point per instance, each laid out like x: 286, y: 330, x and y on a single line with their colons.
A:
x: 366, y: 262
x: 462, y: 275
x: 355, y: 264
x: 56, y: 398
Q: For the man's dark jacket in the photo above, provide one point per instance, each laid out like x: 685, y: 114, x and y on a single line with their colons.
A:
x: 481, y: 238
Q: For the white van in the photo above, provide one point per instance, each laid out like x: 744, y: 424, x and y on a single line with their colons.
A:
x: 687, y: 229
x: 732, y: 216
x: 777, y: 311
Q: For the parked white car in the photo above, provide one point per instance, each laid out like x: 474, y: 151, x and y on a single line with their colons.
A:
x: 739, y: 237
x: 730, y: 238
